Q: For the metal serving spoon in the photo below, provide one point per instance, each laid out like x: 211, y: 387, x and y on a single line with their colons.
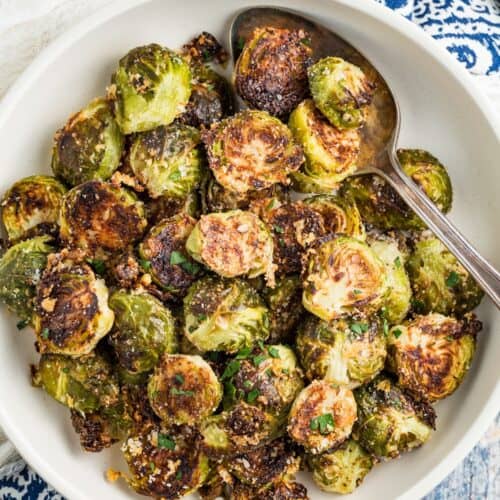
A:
x: 379, y: 134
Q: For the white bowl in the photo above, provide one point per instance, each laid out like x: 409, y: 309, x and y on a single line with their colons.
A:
x: 442, y: 111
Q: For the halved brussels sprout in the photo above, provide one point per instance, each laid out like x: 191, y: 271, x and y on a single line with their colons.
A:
x: 285, y: 308
x: 440, y: 283
x: 271, y: 71
x: 432, y: 354
x: 211, y: 98
x: 101, y: 218
x: 71, y: 307
x: 163, y: 465
x: 165, y: 207
x: 184, y: 389
x: 390, y: 421
x: 20, y: 271
x: 345, y: 352
x: 340, y: 91
x: 218, y: 199
x: 31, y: 207
x: 398, y: 299
x: 163, y: 249
x: 294, y: 227
x: 89, y: 146
x: 322, y: 416
x: 84, y: 384
x: 342, y: 470
x: 250, y: 151
x: 167, y: 160
x: 340, y: 214
x: 343, y: 276
x: 234, y: 243
x: 144, y: 329
x: 268, y: 377
x: 382, y: 207
x: 151, y: 87
x: 330, y: 153
x: 224, y: 315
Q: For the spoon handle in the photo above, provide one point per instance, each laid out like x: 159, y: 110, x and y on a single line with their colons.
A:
x: 482, y: 271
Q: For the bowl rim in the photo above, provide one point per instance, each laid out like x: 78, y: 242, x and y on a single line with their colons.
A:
x: 374, y: 10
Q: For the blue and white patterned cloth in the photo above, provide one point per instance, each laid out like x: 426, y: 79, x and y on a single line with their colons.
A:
x: 470, y: 30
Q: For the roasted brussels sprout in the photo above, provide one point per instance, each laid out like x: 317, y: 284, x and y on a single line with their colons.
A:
x: 234, y: 243
x: 162, y: 465
x: 343, y: 276
x: 285, y: 308
x: 330, y: 153
x: 390, y: 421
x: 84, y: 384
x: 144, y: 329
x: 89, y: 146
x: 271, y: 71
x: 211, y: 98
x: 382, y: 207
x: 151, y: 87
x: 279, y: 490
x: 342, y: 470
x: 440, y: 283
x: 168, y: 262
x: 432, y: 354
x: 340, y: 91
x: 268, y: 377
x: 294, y: 227
x: 340, y: 215
x: 397, y: 302
x: 224, y: 315
x: 71, y: 307
x: 345, y: 352
x: 31, y: 207
x: 167, y: 160
x: 165, y: 207
x: 251, y: 151
x: 20, y: 271
x: 184, y: 389
x: 322, y: 416
x: 101, y: 218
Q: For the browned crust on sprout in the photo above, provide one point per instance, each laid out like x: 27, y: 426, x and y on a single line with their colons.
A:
x: 205, y: 48
x: 94, y: 436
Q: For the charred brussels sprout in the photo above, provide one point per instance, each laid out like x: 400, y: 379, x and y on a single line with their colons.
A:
x: 84, y: 384
x: 224, y: 315
x: 397, y: 302
x: 432, y: 354
x: 382, y: 207
x: 440, y: 284
x: 89, y: 146
x: 345, y: 352
x: 71, y: 307
x: 162, y: 465
x: 340, y: 215
x: 285, y: 308
x: 151, y: 87
x: 322, y: 416
x: 20, y: 271
x: 343, y: 276
x: 234, y: 243
x: 31, y: 207
x: 184, y: 389
x: 330, y: 153
x: 251, y: 151
x: 340, y: 91
x: 144, y: 329
x: 271, y: 71
x: 167, y: 160
x: 165, y: 207
x: 390, y: 421
x: 101, y: 218
x: 342, y: 470
x: 169, y: 264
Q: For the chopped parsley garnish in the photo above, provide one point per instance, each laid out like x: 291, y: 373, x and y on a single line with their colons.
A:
x: 97, y: 265
x: 244, y: 353
x: 357, y: 292
x: 253, y: 395
x: 65, y: 369
x: 269, y: 372
x: 152, y: 466
x: 452, y: 279
x: 358, y: 328
x: 145, y: 264
x: 306, y: 41
x: 248, y: 384
x: 257, y: 360
x: 45, y: 333
x: 230, y: 390
x: 397, y: 333
x: 181, y: 392
x: 165, y: 441
x: 324, y: 423
x: 273, y: 352
x: 178, y: 476
x: 179, y: 259
x: 241, y: 43
x: 202, y: 317
x: 22, y: 324
x: 179, y: 378
x: 232, y: 368
x: 286, y: 371
x: 278, y: 229
x: 397, y: 262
